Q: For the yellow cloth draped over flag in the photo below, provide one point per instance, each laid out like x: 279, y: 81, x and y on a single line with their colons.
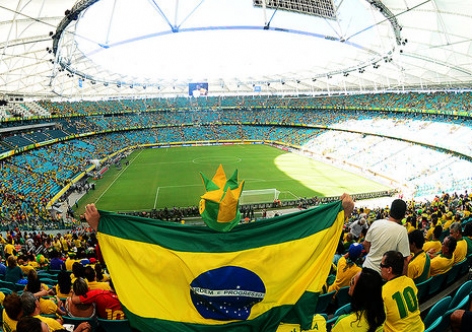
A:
x: 174, y: 277
x: 219, y: 206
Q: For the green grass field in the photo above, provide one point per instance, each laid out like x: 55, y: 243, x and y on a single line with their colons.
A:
x: 167, y: 177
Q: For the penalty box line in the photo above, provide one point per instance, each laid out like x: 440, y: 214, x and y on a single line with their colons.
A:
x: 170, y: 187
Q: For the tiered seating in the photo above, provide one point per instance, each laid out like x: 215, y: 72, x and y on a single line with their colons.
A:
x: 18, y: 141
x: 270, y: 118
x: 4, y: 147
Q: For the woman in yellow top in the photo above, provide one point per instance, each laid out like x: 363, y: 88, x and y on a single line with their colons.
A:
x: 367, y: 304
x: 410, y: 224
x: 64, y: 285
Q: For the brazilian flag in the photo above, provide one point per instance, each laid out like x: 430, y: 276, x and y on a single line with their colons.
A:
x: 174, y: 277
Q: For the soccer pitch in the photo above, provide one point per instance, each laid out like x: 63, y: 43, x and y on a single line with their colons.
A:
x: 168, y: 177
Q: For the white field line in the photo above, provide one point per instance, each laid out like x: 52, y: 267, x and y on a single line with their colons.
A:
x: 165, y: 187
x: 117, y: 177
x: 155, y: 198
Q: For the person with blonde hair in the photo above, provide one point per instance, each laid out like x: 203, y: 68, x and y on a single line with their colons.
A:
x: 13, y: 272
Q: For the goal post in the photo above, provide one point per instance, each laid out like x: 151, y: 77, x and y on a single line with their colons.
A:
x: 259, y: 196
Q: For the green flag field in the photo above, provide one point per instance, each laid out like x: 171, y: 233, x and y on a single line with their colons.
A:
x: 156, y: 178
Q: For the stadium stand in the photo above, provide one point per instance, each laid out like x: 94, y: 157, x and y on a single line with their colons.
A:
x: 317, y: 126
x: 37, y: 164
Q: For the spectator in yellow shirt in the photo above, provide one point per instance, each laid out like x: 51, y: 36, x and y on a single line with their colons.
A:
x: 434, y: 246
x: 461, y: 248
x: 9, y: 250
x: 92, y: 283
x: 12, y: 311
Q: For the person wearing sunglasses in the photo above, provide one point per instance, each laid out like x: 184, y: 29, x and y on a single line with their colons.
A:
x: 400, y: 296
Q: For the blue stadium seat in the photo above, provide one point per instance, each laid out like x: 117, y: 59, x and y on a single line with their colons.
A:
x: 435, y: 326
x: 7, y: 284
x: 77, y: 320
x: 121, y: 325
x: 436, y: 283
x: 454, y: 272
x: 345, y: 309
x: 342, y: 296
x: 461, y: 296
x: 436, y: 311
x: 323, y: 302
x: 423, y: 289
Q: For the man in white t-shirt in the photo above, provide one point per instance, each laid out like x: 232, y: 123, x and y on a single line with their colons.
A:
x: 357, y: 227
x: 387, y: 234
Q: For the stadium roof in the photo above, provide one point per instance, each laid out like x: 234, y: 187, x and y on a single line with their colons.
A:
x: 101, y: 48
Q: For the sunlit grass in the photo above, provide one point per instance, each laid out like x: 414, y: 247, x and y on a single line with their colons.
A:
x: 158, y: 178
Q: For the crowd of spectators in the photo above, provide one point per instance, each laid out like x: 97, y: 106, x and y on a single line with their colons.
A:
x: 35, y: 176
x: 432, y: 101
x: 403, y: 268
x: 55, y: 276
x: 75, y: 256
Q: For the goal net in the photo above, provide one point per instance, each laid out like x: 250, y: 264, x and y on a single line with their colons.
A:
x: 258, y: 196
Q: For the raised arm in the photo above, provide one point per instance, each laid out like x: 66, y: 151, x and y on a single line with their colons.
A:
x: 92, y: 216
x: 348, y: 204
